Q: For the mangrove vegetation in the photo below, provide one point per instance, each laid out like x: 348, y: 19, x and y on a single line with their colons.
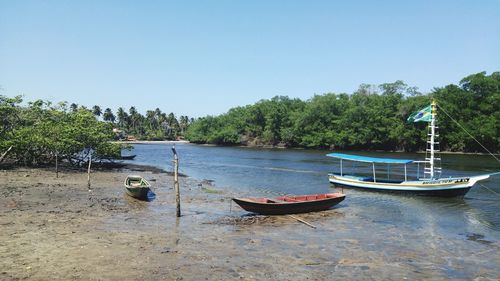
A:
x: 372, y: 118
x: 40, y: 132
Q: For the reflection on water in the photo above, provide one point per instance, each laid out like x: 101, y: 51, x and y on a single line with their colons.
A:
x: 270, y: 172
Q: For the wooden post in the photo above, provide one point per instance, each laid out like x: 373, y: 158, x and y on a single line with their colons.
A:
x: 57, y: 165
x: 176, y: 183
x: 88, y: 172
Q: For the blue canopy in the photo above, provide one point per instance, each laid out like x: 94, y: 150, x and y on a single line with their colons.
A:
x: 360, y: 158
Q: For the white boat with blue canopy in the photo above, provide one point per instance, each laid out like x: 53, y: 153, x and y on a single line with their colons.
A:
x: 411, y: 180
x: 452, y: 186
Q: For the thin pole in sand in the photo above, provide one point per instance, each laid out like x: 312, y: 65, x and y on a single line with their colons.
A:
x: 57, y: 165
x: 88, y: 172
x: 176, y: 183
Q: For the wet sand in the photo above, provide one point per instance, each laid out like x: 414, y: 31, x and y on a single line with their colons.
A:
x: 55, y: 229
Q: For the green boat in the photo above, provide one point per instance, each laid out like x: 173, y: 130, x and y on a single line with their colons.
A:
x: 137, y: 187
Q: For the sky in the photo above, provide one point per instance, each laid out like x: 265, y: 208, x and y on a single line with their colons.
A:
x: 200, y: 58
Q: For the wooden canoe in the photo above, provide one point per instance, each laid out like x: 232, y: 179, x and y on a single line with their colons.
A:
x: 137, y: 187
x: 290, y: 204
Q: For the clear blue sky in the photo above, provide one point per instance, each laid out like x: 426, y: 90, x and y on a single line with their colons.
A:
x: 204, y: 57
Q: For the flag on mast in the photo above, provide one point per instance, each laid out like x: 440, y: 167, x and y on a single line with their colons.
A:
x: 423, y: 115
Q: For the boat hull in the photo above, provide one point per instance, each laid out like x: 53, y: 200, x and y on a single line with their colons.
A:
x: 128, y: 157
x: 445, y: 187
x: 138, y: 193
x: 260, y: 206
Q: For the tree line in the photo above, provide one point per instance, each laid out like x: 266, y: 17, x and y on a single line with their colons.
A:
x: 155, y: 125
x: 371, y: 118
x: 40, y: 132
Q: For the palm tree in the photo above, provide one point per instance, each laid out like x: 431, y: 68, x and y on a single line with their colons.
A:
x: 122, y: 117
x: 96, y: 110
x: 74, y: 107
x: 183, y: 123
x: 152, y: 119
x: 158, y: 112
x: 133, y: 116
x: 132, y: 111
x: 172, y: 121
x: 173, y: 125
x: 108, y: 115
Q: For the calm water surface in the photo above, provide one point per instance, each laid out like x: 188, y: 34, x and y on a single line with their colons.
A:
x: 269, y: 172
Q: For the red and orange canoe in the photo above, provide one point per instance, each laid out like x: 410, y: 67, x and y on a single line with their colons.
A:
x: 290, y: 204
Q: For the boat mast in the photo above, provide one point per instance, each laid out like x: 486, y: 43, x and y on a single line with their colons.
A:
x: 430, y: 170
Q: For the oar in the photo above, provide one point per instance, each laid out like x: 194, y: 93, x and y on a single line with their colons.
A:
x: 302, y: 221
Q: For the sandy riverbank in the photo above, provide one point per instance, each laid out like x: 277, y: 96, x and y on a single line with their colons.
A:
x: 55, y: 229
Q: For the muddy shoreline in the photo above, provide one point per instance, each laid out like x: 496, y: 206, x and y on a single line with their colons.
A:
x: 54, y: 228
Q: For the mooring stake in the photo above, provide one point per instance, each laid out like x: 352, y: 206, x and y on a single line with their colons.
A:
x: 176, y: 183
x: 88, y: 172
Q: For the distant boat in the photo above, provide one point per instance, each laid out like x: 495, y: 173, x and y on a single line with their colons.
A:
x: 127, y: 157
x: 137, y: 187
x: 290, y: 204
x: 430, y: 184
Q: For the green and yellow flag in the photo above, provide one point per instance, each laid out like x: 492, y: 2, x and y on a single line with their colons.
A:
x: 423, y: 115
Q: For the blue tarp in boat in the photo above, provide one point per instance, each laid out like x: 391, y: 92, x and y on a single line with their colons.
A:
x: 360, y: 158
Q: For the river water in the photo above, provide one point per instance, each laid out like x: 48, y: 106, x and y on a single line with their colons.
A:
x: 270, y: 172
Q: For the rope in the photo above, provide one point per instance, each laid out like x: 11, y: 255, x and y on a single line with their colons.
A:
x: 498, y: 194
x: 469, y: 133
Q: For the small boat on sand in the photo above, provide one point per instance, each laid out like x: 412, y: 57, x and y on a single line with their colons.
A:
x: 137, y: 187
x: 290, y: 204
